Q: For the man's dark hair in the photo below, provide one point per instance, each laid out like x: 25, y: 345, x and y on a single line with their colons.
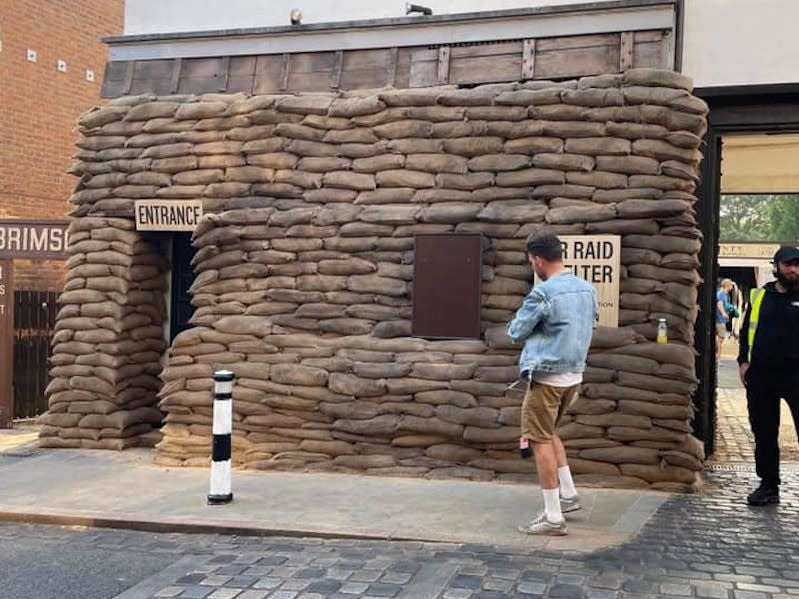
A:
x: 546, y: 246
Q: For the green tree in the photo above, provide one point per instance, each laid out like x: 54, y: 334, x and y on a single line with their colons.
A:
x: 783, y: 214
x: 745, y: 218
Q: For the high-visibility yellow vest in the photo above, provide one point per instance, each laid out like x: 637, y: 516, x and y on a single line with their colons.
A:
x: 755, y: 300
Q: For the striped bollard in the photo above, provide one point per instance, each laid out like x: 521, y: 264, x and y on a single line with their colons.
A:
x: 221, y: 491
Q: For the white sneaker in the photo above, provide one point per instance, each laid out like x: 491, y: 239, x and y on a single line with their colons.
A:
x: 542, y: 526
x: 570, y: 504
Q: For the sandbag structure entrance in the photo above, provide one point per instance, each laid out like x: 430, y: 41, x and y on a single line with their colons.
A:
x: 304, y: 264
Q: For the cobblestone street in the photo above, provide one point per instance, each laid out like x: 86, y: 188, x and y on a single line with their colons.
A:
x: 734, y: 441
x: 709, y: 545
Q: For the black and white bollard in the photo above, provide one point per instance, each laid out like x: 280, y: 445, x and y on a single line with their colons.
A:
x: 221, y: 491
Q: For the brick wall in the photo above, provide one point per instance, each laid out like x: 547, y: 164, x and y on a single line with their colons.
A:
x: 40, y: 106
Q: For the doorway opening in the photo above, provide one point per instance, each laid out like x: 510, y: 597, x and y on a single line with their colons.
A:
x: 180, y: 306
x: 758, y: 210
x: 177, y: 249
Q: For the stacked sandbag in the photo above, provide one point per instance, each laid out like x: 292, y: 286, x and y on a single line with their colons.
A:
x: 304, y: 264
x: 108, y: 340
x: 633, y: 419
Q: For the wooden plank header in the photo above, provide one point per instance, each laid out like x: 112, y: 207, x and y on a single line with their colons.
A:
x: 465, y: 63
x: 168, y: 215
x: 34, y: 239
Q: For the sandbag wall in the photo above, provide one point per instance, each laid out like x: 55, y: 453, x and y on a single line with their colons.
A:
x: 305, y: 262
x: 108, y: 341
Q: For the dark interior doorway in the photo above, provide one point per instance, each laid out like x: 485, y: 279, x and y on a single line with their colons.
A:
x: 181, y: 309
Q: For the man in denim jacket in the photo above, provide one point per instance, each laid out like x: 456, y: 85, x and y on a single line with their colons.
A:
x: 555, y: 323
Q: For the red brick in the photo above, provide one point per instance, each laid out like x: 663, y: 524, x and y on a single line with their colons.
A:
x: 40, y: 107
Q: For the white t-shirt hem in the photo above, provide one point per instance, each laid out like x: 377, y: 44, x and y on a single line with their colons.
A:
x: 557, y: 379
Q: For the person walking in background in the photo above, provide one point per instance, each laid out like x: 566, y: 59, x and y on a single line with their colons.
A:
x: 769, y: 367
x: 722, y: 314
x: 555, y: 323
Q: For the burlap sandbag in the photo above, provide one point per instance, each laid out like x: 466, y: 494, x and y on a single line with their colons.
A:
x: 608, y: 337
x: 528, y: 177
x: 622, y: 455
x: 624, y: 226
x: 564, y: 162
x: 480, y: 417
x: 654, y: 474
x: 515, y: 211
x: 647, y: 271
x: 581, y: 214
x: 405, y: 178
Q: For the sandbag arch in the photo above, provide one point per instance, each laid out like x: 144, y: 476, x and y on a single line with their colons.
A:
x: 312, y: 202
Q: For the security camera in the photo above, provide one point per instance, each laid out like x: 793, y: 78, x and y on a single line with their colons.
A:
x: 295, y: 16
x: 409, y: 8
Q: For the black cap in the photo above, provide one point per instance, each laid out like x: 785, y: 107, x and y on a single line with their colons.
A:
x: 786, y: 253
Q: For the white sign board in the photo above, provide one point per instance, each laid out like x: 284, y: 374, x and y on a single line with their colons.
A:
x: 761, y: 251
x: 168, y: 215
x: 597, y: 259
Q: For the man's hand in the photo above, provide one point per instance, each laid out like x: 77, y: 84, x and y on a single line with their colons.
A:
x: 742, y: 372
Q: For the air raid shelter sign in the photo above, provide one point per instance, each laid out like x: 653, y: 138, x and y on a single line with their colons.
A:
x: 170, y: 215
x: 597, y: 259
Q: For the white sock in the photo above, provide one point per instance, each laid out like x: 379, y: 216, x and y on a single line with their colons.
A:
x: 567, y: 489
x: 552, y: 505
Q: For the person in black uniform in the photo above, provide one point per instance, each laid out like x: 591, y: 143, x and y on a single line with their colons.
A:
x: 768, y: 360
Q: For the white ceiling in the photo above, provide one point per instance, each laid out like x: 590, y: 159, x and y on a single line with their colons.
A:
x: 760, y: 164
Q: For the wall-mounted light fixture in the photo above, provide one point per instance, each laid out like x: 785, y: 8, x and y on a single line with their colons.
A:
x: 417, y: 8
x: 295, y: 16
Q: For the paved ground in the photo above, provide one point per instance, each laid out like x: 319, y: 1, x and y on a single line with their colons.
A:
x: 734, y: 441
x: 124, y: 489
x: 702, y: 546
x: 23, y: 433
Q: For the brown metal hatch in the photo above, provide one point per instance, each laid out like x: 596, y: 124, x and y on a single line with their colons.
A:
x: 446, y: 285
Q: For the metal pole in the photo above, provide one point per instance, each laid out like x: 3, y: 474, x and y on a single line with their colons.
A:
x: 6, y: 342
x: 221, y: 491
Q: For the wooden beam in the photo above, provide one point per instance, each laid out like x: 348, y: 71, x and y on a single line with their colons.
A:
x: 128, y: 84
x: 174, y: 83
x: 224, y: 73
x: 284, y: 72
x: 335, y: 73
x: 393, y: 59
x: 626, y: 51
x: 528, y: 59
x: 443, y: 65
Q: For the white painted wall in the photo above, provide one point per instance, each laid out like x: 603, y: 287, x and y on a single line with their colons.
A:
x: 726, y: 42
x: 741, y: 42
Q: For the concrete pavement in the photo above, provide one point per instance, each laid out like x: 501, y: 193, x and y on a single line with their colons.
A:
x: 124, y: 489
x: 20, y: 435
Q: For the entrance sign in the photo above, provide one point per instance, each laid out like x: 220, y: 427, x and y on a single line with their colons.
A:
x: 6, y: 342
x: 597, y: 259
x: 34, y: 240
x: 168, y: 215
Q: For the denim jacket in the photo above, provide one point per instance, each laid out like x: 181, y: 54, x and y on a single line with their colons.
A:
x: 555, y: 322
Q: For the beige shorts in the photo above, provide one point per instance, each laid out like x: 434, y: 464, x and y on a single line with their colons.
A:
x: 543, y: 408
x: 721, y: 330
